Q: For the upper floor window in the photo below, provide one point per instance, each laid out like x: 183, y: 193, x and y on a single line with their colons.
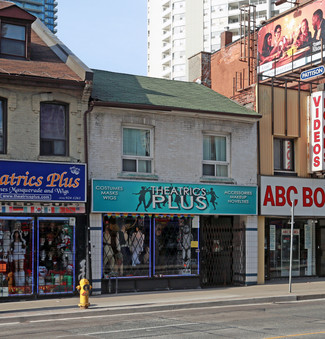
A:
x: 13, y: 40
x: 54, y: 129
x: 215, y: 156
x: 283, y: 155
x: 3, y: 125
x: 137, y: 150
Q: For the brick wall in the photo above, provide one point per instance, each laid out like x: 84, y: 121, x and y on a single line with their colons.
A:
x: 24, y: 121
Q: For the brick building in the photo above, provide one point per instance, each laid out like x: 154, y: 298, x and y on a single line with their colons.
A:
x: 173, y: 170
x: 44, y: 92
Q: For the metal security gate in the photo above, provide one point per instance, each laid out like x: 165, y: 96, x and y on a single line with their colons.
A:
x: 221, y: 252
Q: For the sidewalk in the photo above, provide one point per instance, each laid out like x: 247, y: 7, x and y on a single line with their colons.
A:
x: 162, y: 300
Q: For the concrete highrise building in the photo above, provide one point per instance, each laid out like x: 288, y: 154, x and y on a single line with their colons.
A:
x: 45, y: 10
x: 178, y: 29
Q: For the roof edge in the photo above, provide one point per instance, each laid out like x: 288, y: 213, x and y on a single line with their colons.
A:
x: 62, y: 51
x: 170, y: 108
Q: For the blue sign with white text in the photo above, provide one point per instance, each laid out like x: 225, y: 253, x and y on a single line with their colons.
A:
x: 311, y: 73
x: 42, y: 181
x: 110, y: 196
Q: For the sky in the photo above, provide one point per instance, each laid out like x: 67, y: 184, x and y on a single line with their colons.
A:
x: 109, y: 35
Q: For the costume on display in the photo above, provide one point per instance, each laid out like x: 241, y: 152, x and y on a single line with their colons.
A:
x: 136, y: 245
x: 18, y: 251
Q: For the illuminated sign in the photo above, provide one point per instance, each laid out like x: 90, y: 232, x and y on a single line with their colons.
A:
x: 171, y: 198
x: 42, y: 181
x: 287, y: 154
x: 278, y: 195
x: 317, y: 136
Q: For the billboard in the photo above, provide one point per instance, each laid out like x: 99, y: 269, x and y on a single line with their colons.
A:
x: 292, y: 41
x: 109, y: 196
x: 42, y: 181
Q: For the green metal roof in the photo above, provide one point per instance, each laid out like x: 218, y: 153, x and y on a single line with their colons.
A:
x: 119, y: 88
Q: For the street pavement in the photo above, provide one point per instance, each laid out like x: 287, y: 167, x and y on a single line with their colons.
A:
x: 26, y: 310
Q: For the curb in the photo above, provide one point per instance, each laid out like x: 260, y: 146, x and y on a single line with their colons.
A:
x: 97, y: 310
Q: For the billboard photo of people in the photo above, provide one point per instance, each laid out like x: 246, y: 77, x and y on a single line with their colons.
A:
x: 292, y: 41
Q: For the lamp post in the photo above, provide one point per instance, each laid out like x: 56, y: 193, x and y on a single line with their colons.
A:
x: 291, y: 242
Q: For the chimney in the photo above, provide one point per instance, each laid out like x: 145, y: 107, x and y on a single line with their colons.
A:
x: 225, y: 38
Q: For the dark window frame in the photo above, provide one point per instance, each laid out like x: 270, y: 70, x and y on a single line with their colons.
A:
x: 67, y: 134
x: 4, y: 104
x: 27, y: 40
x: 282, y: 168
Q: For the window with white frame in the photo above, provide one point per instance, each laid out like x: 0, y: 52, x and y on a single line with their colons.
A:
x: 216, y: 155
x: 283, y: 154
x: 137, y: 150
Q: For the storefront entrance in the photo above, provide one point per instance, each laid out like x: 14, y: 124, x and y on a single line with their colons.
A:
x: 307, y: 249
x: 216, y: 251
x: 320, y: 248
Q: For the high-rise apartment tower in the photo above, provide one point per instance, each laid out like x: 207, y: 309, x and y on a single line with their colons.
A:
x: 178, y: 29
x: 46, y: 10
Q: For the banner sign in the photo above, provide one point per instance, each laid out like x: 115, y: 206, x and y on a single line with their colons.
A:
x: 42, y: 181
x: 293, y: 41
x: 278, y: 195
x: 165, y: 198
x: 317, y: 134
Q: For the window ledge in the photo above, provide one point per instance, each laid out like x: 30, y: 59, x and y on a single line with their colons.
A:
x: 137, y: 176
x: 285, y: 173
x: 218, y: 180
x: 58, y: 158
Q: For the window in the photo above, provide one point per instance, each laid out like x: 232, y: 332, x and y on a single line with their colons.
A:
x: 283, y: 155
x: 143, y: 246
x: 16, y: 255
x: 137, y: 153
x: 3, y: 125
x: 215, y: 156
x: 56, y: 255
x: 13, y: 40
x: 54, y: 129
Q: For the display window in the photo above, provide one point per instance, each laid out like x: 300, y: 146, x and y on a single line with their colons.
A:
x: 135, y: 246
x: 175, y: 246
x: 16, y: 256
x: 126, y: 246
x: 56, y: 255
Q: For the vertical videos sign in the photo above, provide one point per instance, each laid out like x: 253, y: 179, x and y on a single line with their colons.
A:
x: 317, y: 135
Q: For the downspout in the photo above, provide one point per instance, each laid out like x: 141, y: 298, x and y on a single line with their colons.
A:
x: 88, y: 247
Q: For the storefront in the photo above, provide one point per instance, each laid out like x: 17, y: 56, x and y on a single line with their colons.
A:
x: 168, y: 235
x: 308, y: 251
x: 42, y: 222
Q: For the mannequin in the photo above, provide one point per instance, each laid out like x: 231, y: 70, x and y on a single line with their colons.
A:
x: 18, y: 251
x: 136, y: 245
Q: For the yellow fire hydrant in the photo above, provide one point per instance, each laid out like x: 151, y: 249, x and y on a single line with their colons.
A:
x: 84, y: 288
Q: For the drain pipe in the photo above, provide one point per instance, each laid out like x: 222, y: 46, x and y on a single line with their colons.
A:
x: 88, y: 247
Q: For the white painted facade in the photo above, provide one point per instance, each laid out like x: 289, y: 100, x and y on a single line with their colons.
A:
x: 177, y: 158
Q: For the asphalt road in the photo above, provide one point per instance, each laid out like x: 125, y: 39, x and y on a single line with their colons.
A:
x: 303, y: 319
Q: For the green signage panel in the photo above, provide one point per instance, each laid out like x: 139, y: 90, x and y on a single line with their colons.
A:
x: 115, y: 196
